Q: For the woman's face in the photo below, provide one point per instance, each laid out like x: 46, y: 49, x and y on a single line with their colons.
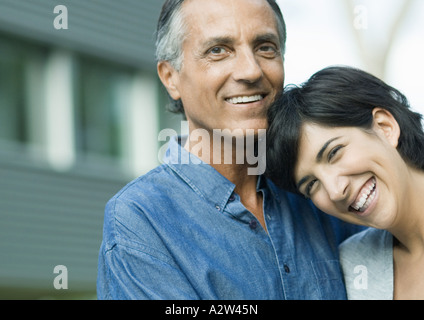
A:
x: 353, y: 174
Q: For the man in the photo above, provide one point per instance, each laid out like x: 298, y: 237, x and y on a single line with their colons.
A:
x: 206, y: 228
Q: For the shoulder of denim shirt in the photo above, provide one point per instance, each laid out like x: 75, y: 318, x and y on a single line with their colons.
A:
x: 125, y: 221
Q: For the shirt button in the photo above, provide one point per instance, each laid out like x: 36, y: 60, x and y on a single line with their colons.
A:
x: 253, y: 224
x: 286, y: 268
x: 218, y: 207
x: 232, y: 198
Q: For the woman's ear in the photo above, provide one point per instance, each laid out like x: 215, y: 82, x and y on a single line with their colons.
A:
x: 386, y: 124
x: 170, y: 78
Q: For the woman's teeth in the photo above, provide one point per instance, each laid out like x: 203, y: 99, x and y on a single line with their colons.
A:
x: 367, y: 195
x: 245, y: 99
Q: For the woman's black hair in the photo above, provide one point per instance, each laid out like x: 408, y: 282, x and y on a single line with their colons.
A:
x: 336, y: 97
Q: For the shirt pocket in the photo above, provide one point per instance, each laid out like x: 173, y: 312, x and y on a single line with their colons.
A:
x: 329, y: 277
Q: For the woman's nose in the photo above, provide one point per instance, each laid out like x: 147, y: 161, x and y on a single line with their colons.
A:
x: 337, y: 187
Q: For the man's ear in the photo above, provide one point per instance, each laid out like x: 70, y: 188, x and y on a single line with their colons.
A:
x: 170, y: 78
x: 385, y: 123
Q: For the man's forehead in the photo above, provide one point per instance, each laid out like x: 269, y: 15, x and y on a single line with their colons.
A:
x: 230, y: 2
x: 221, y: 18
x: 209, y: 11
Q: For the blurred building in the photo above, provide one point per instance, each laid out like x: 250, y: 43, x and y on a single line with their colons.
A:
x: 80, y: 111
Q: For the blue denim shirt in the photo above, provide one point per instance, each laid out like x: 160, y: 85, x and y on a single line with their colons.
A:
x: 181, y: 232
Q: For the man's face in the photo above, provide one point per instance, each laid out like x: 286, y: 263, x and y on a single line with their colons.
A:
x: 232, y: 66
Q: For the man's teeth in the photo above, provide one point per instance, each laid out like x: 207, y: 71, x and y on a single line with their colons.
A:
x: 367, y: 196
x: 245, y: 99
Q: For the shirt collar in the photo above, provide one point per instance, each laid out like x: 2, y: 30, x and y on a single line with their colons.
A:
x: 202, y: 177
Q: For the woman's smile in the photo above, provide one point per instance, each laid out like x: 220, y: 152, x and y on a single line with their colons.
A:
x: 366, y: 199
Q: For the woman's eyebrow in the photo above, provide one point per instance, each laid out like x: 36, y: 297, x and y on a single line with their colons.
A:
x: 324, y: 147
x: 302, y: 181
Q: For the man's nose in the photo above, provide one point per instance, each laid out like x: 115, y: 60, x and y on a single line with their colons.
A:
x: 247, y: 68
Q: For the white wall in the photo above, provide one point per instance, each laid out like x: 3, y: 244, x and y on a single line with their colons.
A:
x: 324, y: 32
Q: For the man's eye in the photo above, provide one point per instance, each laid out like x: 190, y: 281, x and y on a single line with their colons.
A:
x: 217, y: 50
x: 268, y: 50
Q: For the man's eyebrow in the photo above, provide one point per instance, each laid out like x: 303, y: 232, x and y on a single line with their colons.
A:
x: 217, y: 40
x: 267, y: 37
x: 226, y: 40
x: 324, y: 147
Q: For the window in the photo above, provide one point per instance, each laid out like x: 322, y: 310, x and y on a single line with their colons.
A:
x: 12, y: 99
x: 75, y: 111
x: 100, y: 108
x: 22, y: 91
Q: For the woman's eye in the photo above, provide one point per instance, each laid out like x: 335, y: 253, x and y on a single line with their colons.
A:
x: 309, y: 188
x: 333, y: 152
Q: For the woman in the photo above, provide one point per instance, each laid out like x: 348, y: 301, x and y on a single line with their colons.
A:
x: 351, y: 144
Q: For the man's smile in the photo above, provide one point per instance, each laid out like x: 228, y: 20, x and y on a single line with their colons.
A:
x: 245, y: 99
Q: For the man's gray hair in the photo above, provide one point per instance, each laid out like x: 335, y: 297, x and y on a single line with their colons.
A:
x: 170, y: 34
x: 171, y: 31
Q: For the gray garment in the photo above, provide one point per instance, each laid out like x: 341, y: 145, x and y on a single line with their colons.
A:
x: 367, y: 262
